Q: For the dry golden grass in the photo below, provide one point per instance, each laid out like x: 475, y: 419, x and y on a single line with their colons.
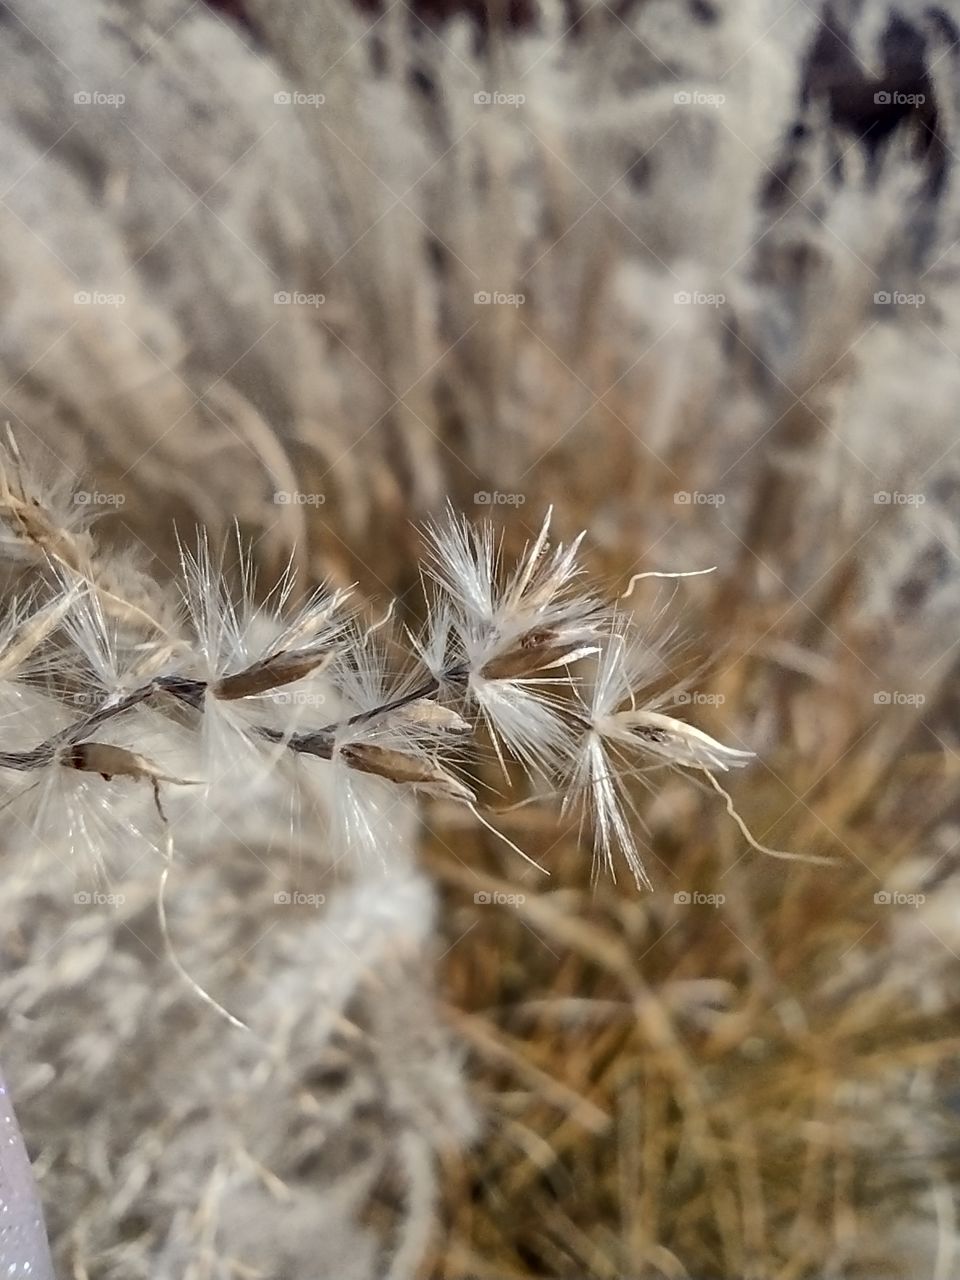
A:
x: 689, y: 1090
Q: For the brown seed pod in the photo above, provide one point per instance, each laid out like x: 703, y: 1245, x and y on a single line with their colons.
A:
x: 111, y: 761
x: 271, y: 673
x: 400, y: 767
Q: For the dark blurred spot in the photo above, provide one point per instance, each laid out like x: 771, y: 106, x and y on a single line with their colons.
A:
x: 703, y: 11
x: 515, y: 14
x: 232, y: 8
x: 872, y: 108
x: 311, y: 1167
x: 436, y: 255
x: 640, y: 172
x: 133, y: 1225
x: 945, y: 491
x: 327, y: 1079
x: 83, y: 156
x: 931, y: 568
x: 944, y: 23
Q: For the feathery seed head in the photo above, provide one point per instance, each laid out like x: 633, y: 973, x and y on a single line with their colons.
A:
x: 250, y: 683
